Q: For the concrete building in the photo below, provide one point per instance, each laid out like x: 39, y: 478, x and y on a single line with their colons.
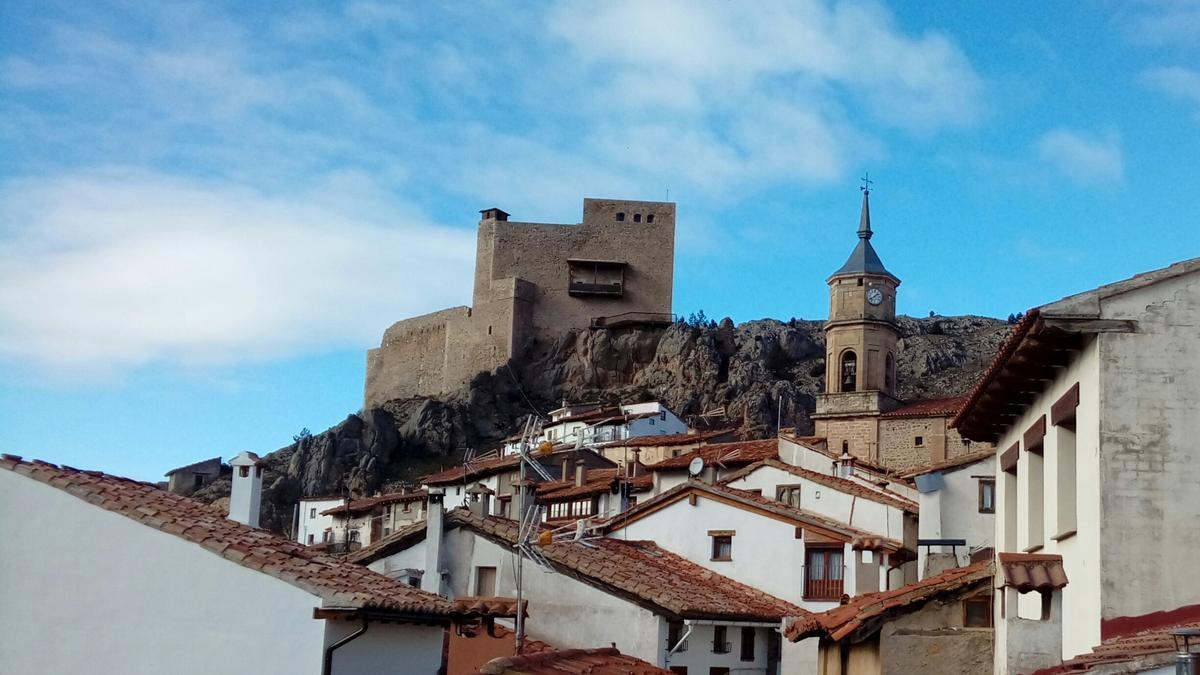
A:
x: 533, y: 282
x: 187, y: 479
x: 116, y: 576
x: 957, y: 500
x: 650, y: 603
x: 1095, y: 401
x: 859, y: 413
x: 942, y: 624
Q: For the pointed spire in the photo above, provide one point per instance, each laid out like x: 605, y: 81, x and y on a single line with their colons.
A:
x: 864, y: 220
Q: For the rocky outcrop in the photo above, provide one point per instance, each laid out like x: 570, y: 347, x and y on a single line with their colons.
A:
x: 757, y: 375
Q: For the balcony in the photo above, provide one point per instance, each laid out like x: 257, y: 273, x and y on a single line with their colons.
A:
x: 610, y: 290
x: 722, y: 647
x: 823, y: 589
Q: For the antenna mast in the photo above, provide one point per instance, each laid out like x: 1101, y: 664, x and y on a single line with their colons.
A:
x: 529, y: 518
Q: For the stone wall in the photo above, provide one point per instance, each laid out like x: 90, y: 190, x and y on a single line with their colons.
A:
x: 522, y: 299
x: 933, y: 640
x: 861, y: 435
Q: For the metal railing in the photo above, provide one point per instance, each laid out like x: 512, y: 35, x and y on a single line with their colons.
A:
x: 722, y: 647
x: 823, y: 589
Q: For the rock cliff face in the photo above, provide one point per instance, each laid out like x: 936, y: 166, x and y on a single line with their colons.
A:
x: 760, y: 374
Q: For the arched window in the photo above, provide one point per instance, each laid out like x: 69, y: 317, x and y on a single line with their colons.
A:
x: 889, y: 374
x: 849, y: 371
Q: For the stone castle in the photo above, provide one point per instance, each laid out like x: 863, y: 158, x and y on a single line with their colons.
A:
x: 534, y: 281
x: 859, y: 413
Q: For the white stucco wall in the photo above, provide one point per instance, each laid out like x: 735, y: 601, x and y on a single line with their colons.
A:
x: 952, y: 512
x: 701, y: 654
x: 1081, y: 599
x: 385, y: 649
x: 90, y: 591
x: 859, y: 512
x: 316, y: 525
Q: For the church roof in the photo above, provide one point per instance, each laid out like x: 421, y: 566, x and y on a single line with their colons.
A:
x: 864, y: 259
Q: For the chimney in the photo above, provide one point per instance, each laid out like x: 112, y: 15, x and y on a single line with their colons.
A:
x: 637, y: 463
x: 566, y: 470
x: 579, y: 471
x: 493, y: 214
x: 481, y: 500
x: 245, y: 498
x: 845, y: 465
x: 431, y: 579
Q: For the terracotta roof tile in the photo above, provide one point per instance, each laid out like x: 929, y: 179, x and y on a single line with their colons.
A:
x: 863, y: 610
x: 334, y: 581
x: 739, y: 453
x: 836, y: 482
x: 596, y: 481
x: 1032, y: 571
x: 606, y: 661
x: 667, y: 440
x: 367, y: 503
x: 1152, y: 647
x: 637, y: 570
x: 936, y: 407
x: 478, y: 468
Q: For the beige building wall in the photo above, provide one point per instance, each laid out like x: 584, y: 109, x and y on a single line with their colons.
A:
x: 522, y: 296
x: 898, y: 447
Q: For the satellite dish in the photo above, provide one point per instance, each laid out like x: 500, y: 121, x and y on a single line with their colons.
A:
x: 695, y: 466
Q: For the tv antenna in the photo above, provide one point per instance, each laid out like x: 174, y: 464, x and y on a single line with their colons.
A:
x: 529, y: 516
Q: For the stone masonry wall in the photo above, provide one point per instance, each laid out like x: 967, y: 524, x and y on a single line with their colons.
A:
x: 522, y: 300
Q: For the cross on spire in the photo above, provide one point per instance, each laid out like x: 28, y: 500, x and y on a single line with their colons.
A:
x: 866, y: 183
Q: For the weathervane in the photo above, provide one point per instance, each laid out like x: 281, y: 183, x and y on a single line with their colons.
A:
x: 866, y: 183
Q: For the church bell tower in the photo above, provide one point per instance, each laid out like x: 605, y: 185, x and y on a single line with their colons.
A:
x: 861, y: 338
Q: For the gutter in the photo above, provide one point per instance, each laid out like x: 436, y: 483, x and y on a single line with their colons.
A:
x: 327, y: 665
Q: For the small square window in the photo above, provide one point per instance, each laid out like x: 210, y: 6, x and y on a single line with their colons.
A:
x: 722, y: 547
x: 919, y: 441
x: 637, y: 217
x: 987, y: 495
x: 977, y: 612
x: 620, y: 217
x: 312, y: 513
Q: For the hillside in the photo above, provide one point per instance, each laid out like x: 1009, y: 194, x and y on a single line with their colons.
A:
x: 745, y: 369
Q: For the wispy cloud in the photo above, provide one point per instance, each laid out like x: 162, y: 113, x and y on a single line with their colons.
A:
x: 1084, y: 158
x: 1162, y: 22
x: 1177, y: 82
x: 107, y: 270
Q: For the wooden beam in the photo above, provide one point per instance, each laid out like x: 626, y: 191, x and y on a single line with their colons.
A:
x: 1090, y: 325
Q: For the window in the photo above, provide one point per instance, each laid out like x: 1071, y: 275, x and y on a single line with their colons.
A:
x: 823, y: 573
x: 919, y: 441
x: 650, y: 218
x: 674, y: 635
x: 485, y: 581
x: 720, y: 643
x: 620, y: 217
x: 244, y: 471
x: 977, y: 612
x: 407, y: 507
x: 310, y: 539
x: 987, y: 495
x: 722, y: 545
x: 662, y: 415
x: 747, y: 644
x: 637, y: 217
x: 715, y: 670
x: 1034, y: 502
x: 353, y: 535
x: 788, y: 494
x: 1065, y: 478
x: 889, y: 374
x: 312, y: 513
x: 197, y: 482
x: 679, y: 670
x: 326, y: 537
x: 849, y: 371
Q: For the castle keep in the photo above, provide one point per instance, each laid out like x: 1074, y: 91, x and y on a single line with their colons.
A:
x: 533, y: 281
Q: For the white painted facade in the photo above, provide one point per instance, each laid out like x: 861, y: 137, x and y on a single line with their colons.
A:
x: 1136, y: 465
x: 91, y: 591
x: 313, y: 527
x: 953, y: 511
x: 650, y: 418
x: 854, y: 510
x: 799, y: 454
x: 567, y: 612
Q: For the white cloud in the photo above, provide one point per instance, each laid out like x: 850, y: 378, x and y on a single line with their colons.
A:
x: 108, y: 270
x: 1177, y: 82
x: 1085, y: 159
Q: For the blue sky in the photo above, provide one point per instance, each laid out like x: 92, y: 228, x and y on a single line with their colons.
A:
x: 208, y: 212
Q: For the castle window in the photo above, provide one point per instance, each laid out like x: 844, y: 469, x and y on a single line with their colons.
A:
x: 860, y: 282
x: 620, y: 216
x: 919, y: 441
x: 650, y: 218
x: 849, y: 371
x: 596, y: 277
x: 637, y: 217
x: 889, y: 374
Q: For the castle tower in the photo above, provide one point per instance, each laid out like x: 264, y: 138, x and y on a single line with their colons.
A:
x: 861, y: 338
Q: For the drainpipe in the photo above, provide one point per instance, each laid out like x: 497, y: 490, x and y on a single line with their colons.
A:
x: 682, y: 639
x: 327, y: 666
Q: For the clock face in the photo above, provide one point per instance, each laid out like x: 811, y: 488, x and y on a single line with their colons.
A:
x: 874, y: 296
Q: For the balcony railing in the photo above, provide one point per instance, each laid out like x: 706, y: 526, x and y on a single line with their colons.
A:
x: 823, y: 589
x: 722, y: 647
x: 614, y: 289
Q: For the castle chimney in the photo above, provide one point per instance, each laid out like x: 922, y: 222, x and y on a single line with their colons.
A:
x: 494, y: 214
x: 245, y: 498
x: 431, y: 579
x: 579, y: 471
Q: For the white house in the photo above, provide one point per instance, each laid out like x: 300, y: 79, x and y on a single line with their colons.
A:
x: 1094, y: 401
x: 812, y: 453
x: 958, y: 504
x: 595, y: 424
x: 717, y: 462
x: 117, y: 576
x: 652, y: 604
x: 351, y: 524
x: 314, y: 525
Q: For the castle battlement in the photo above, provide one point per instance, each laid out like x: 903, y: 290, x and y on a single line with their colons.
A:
x: 533, y: 281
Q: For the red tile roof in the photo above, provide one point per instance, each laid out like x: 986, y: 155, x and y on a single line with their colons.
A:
x: 596, y: 481
x: 490, y: 605
x: 1150, y: 648
x: 952, y: 463
x: 478, y: 468
x: 748, y: 499
x: 368, y: 503
x: 336, y: 582
x: 817, y: 444
x: 838, y: 483
x: 739, y: 453
x: 606, y: 661
x: 1033, y: 571
x: 937, y: 407
x: 639, y: 571
x: 870, y: 610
